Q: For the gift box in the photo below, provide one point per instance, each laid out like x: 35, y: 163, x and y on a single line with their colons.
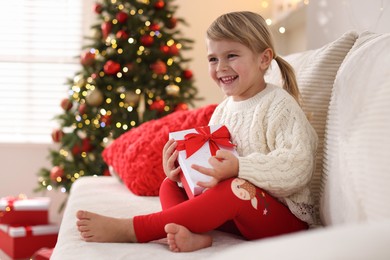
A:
x: 196, y: 146
x: 24, y: 241
x: 24, y: 211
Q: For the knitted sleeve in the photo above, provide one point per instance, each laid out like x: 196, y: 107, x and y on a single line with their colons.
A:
x: 288, y: 163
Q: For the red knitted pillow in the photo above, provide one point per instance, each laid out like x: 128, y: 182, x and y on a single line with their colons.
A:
x: 136, y: 156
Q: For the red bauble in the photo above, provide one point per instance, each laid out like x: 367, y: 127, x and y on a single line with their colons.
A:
x: 164, y: 49
x: 172, y: 23
x: 86, y: 145
x: 66, y: 104
x: 147, y: 40
x: 159, y: 4
x: 57, y: 135
x: 111, y: 67
x: 106, y: 29
x: 158, y: 105
x: 187, y: 74
x: 87, y: 58
x: 173, y: 50
x: 106, y: 119
x: 159, y: 67
x: 76, y: 149
x: 97, y: 8
x: 122, y: 34
x: 121, y: 17
x: 154, y: 27
x: 82, y: 109
x: 181, y: 106
x: 56, y: 172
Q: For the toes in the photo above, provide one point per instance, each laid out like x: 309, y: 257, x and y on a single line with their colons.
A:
x: 82, y: 228
x: 171, y: 228
x: 86, y: 235
x: 81, y: 214
x: 82, y: 222
x: 172, y: 246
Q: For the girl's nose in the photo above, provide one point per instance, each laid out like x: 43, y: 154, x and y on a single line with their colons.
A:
x: 221, y: 66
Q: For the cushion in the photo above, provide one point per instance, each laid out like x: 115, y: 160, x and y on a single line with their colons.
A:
x: 136, y: 156
x: 356, y: 177
x: 316, y: 71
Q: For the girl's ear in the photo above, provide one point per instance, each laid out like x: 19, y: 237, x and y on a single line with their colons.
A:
x: 266, y: 58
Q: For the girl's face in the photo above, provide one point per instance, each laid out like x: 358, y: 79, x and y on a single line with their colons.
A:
x: 237, y: 70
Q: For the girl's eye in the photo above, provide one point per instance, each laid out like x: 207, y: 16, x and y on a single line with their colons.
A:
x: 231, y: 56
x: 212, y: 59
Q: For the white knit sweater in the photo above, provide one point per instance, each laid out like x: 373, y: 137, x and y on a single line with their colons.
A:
x: 276, y: 146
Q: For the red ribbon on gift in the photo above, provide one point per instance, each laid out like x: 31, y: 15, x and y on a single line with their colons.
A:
x: 194, y: 141
x: 29, y: 231
x: 10, y: 202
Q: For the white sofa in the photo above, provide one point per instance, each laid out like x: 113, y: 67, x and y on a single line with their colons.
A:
x: 346, y: 92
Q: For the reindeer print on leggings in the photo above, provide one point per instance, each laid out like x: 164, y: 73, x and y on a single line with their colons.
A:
x: 247, y: 191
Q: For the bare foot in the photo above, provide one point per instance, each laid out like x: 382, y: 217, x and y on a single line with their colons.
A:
x: 180, y: 239
x: 97, y: 228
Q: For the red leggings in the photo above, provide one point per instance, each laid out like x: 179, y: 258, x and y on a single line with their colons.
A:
x: 234, y: 206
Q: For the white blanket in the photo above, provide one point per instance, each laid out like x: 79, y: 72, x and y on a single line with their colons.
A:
x: 106, y: 195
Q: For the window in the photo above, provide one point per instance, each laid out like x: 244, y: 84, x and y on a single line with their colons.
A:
x: 40, y: 43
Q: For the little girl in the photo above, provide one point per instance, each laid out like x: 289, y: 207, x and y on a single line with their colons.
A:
x: 262, y: 193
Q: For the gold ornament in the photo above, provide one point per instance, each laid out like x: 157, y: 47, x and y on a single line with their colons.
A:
x: 110, y: 51
x: 94, y: 97
x: 131, y: 98
x: 172, y: 90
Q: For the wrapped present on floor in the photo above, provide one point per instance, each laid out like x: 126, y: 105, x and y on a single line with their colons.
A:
x: 24, y: 211
x: 196, y: 146
x: 24, y: 241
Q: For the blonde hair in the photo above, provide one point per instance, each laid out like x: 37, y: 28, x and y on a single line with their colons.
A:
x: 251, y: 30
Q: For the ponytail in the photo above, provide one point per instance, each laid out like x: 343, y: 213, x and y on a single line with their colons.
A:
x: 289, y: 80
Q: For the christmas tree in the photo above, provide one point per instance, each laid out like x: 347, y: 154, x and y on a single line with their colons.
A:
x: 132, y: 71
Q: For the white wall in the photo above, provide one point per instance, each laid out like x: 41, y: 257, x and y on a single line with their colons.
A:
x: 329, y: 19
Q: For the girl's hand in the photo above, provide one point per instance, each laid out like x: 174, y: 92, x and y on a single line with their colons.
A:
x: 224, y: 165
x: 169, y: 158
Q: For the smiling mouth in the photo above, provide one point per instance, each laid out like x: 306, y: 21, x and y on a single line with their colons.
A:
x: 228, y: 80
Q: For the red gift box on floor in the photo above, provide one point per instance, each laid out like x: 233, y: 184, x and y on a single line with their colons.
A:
x: 24, y: 241
x: 196, y: 146
x: 23, y: 211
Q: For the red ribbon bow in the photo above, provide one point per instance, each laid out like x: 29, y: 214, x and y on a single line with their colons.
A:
x: 194, y: 141
x: 10, y: 202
